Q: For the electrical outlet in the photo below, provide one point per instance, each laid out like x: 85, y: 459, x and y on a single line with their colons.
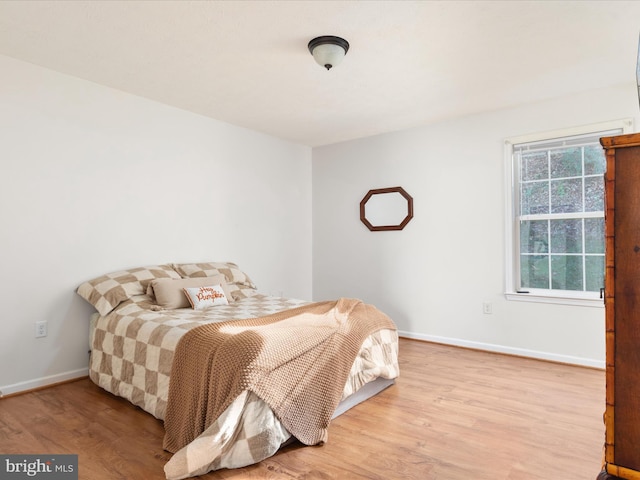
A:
x: 487, y: 308
x: 41, y: 329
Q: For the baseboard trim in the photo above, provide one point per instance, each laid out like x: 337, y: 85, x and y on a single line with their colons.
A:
x: 37, y: 383
x: 519, y: 352
x: 6, y: 390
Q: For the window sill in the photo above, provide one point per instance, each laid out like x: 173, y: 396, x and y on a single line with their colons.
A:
x: 555, y: 299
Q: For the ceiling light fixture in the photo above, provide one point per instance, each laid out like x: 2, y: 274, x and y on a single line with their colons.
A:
x: 328, y: 50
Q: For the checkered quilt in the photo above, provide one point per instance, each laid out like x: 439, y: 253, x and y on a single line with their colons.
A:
x: 132, y: 354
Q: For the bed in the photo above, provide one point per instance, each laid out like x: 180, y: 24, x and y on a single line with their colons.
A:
x: 234, y: 374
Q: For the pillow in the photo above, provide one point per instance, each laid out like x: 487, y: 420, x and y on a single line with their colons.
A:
x: 108, y: 291
x: 209, y: 269
x: 169, y: 292
x: 238, y: 282
x: 206, y: 296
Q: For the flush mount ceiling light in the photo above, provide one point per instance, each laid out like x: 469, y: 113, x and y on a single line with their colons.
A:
x: 328, y: 50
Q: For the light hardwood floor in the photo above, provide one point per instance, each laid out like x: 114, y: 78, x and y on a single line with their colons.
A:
x: 454, y: 414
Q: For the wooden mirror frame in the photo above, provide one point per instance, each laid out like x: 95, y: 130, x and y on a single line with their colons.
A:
x: 382, y: 191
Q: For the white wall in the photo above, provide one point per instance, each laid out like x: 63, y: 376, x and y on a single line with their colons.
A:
x: 94, y: 180
x: 433, y: 276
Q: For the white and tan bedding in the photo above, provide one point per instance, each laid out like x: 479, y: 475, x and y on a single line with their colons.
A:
x: 134, y: 344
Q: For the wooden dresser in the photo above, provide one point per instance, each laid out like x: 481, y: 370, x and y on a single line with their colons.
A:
x: 622, y: 307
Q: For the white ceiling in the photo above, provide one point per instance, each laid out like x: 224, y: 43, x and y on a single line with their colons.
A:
x: 410, y: 63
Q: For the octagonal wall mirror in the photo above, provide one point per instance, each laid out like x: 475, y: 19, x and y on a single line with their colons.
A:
x: 386, y: 209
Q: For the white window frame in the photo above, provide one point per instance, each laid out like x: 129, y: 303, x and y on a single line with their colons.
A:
x: 512, y: 241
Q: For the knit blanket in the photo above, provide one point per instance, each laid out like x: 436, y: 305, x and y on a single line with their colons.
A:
x: 296, y: 361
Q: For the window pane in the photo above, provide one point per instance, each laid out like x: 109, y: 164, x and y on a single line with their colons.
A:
x: 535, y: 198
x: 594, y: 266
x: 566, y: 162
x: 559, y: 217
x: 566, y: 196
x: 594, y: 160
x: 594, y: 235
x: 534, y: 237
x: 534, y: 271
x: 534, y: 166
x: 566, y: 236
x: 566, y: 272
x: 594, y: 194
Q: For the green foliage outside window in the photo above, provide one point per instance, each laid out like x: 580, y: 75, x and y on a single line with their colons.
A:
x: 562, y: 218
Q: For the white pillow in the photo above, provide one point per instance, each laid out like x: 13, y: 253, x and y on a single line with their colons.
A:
x: 206, y: 296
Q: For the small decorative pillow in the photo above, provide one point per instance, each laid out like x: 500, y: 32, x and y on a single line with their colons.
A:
x: 169, y: 292
x: 205, y: 297
x: 108, y: 291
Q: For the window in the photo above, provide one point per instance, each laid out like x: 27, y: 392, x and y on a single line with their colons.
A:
x: 557, y: 215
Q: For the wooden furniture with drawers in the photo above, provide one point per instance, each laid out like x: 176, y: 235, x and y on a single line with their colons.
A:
x: 622, y: 307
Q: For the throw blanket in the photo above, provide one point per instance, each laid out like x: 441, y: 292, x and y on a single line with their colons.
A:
x: 297, y: 361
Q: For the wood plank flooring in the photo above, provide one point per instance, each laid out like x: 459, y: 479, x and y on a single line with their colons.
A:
x: 454, y: 414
